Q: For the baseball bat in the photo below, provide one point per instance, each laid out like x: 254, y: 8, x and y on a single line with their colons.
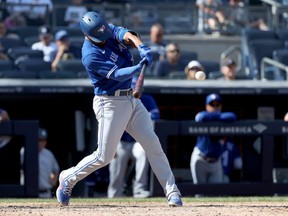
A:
x: 139, y: 83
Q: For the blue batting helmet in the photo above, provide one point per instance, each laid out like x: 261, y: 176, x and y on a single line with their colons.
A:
x: 95, y: 26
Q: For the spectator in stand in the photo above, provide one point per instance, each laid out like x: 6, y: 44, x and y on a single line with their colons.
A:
x: 4, y: 33
x: 65, y: 50
x: 36, y: 12
x: 191, y: 69
x: 172, y: 62
x: 213, y: 17
x: 228, y: 69
x: 206, y: 164
x: 46, y: 43
x: 237, y: 16
x: 48, y: 166
x: 127, y: 149
x: 156, y: 42
x: 74, y: 12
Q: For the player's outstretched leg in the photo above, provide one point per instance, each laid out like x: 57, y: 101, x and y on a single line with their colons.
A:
x: 63, y: 192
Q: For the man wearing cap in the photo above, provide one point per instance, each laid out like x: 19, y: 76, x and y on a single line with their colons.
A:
x: 205, y: 164
x: 45, y: 43
x: 193, y: 67
x: 65, y: 50
x: 110, y: 66
x: 48, y: 166
x: 228, y: 69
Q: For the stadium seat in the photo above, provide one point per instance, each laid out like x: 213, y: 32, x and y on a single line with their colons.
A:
x: 282, y: 34
x: 73, y: 65
x: 30, y: 40
x: 33, y: 65
x: 281, y: 55
x: 16, y: 52
x: 10, y: 43
x: 16, y: 74
x: 26, y: 31
x: 187, y: 56
x: 56, y: 75
x: 210, y: 66
x: 177, y: 75
x: 258, y: 50
x: 6, y: 65
x: 248, y: 36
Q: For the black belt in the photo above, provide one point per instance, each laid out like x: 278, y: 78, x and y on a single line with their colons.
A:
x: 122, y: 92
x: 209, y: 159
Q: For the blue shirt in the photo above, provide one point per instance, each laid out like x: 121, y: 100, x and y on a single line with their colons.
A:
x: 210, y: 145
x: 101, y: 62
x: 151, y: 106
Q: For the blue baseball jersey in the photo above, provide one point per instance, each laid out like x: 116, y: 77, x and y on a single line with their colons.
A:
x: 101, y: 62
x: 151, y: 105
x: 210, y: 146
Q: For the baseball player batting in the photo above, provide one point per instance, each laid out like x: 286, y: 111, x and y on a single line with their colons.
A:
x: 110, y: 66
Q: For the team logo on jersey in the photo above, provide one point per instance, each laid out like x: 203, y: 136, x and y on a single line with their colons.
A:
x: 113, y: 57
x: 102, y: 29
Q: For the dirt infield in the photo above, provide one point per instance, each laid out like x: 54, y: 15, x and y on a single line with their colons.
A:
x: 147, y: 208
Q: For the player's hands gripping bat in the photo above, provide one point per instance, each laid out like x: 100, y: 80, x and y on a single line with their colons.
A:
x: 139, y: 83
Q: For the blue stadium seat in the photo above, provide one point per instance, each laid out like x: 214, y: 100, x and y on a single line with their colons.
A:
x: 16, y: 74
x: 248, y: 36
x: 16, y: 52
x: 73, y: 65
x: 282, y: 34
x: 10, y: 43
x: 258, y: 50
x: 281, y: 55
x: 6, y: 65
x: 33, y: 65
x: 57, y: 75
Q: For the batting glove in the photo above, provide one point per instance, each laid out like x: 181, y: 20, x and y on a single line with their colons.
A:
x: 142, y: 62
x: 145, y: 52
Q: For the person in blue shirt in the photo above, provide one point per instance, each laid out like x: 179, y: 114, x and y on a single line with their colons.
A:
x: 110, y: 66
x: 205, y: 164
x: 129, y: 149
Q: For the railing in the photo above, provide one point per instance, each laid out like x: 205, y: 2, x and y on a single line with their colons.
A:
x: 277, y: 10
x: 268, y: 61
x: 264, y: 129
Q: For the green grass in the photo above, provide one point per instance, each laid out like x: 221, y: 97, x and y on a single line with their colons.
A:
x: 154, y: 199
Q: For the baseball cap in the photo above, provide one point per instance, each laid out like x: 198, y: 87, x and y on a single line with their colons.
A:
x: 44, y: 30
x: 213, y: 97
x: 61, y: 34
x: 42, y: 133
x: 194, y: 63
x: 228, y: 62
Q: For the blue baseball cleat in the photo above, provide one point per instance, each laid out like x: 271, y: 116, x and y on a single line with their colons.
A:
x: 175, y: 201
x: 63, y: 192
